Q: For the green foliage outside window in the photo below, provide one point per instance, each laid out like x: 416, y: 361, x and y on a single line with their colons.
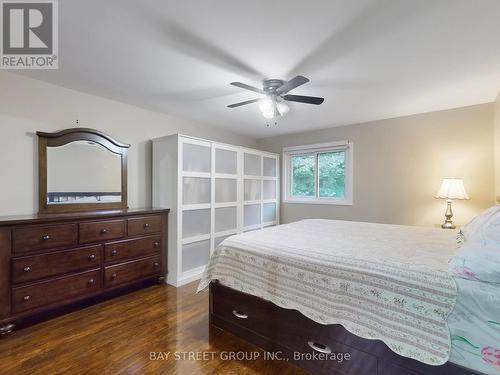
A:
x: 303, y: 175
x: 331, y: 167
x: 331, y: 170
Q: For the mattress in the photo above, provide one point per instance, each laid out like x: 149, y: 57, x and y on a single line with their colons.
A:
x: 379, y: 281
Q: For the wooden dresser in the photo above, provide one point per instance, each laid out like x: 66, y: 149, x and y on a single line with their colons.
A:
x: 56, y: 260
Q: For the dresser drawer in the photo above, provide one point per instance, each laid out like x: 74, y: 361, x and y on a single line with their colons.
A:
x: 127, y: 249
x: 144, y: 225
x: 250, y: 312
x: 130, y: 271
x: 47, y: 292
x: 43, y: 237
x: 101, y: 230
x: 35, y: 267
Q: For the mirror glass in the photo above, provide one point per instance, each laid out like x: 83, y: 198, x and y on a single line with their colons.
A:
x: 83, y: 172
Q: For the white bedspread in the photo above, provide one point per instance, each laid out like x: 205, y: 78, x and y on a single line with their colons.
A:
x: 385, y: 282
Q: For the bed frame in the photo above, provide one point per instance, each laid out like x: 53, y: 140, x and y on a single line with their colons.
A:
x: 318, y: 349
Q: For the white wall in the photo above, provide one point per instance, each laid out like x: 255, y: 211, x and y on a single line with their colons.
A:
x: 28, y: 105
x: 399, y: 164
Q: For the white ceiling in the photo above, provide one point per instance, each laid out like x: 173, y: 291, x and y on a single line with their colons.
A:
x: 369, y: 59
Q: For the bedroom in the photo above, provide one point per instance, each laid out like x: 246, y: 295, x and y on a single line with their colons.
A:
x: 149, y: 228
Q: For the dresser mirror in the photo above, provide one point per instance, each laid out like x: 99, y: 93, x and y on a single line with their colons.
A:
x: 81, y: 169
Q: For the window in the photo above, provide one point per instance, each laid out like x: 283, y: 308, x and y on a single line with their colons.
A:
x: 303, y: 175
x: 319, y: 173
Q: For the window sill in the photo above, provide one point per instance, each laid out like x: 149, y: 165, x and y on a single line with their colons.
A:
x: 339, y: 202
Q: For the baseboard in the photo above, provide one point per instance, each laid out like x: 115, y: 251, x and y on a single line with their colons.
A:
x: 186, y: 277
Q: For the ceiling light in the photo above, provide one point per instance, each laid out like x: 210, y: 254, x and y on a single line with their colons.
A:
x: 274, y: 104
x: 266, y: 106
x: 283, y: 108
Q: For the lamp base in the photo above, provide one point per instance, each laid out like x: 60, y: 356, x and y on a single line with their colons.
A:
x: 448, y: 224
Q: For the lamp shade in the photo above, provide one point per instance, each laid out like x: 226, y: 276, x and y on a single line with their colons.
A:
x: 452, y: 188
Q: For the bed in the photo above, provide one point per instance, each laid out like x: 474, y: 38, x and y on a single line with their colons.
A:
x: 348, y: 298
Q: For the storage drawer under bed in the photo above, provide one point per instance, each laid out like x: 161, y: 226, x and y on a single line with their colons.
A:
x: 313, y: 344
x: 235, y: 308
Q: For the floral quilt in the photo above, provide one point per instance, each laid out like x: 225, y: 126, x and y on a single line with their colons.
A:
x: 475, y: 326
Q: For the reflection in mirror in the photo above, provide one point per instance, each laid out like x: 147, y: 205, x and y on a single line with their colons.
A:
x: 83, y: 172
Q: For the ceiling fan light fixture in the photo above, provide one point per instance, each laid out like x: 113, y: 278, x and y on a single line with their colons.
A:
x: 266, y: 106
x: 283, y: 108
x: 276, y: 96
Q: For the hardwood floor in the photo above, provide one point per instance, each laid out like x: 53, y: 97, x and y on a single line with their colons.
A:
x: 120, y: 336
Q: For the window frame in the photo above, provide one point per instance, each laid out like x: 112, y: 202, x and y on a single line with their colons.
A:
x: 316, y: 149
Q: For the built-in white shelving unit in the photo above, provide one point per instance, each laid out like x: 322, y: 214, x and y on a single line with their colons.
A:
x: 213, y: 190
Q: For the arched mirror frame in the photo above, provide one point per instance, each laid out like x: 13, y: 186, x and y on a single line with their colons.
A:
x: 64, y: 137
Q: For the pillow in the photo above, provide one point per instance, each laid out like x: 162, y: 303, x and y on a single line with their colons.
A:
x: 484, y: 228
x: 476, y: 261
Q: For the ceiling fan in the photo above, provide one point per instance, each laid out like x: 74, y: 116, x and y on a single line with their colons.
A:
x: 275, y: 91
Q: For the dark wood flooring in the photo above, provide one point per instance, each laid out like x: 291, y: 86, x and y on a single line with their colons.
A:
x: 118, y: 336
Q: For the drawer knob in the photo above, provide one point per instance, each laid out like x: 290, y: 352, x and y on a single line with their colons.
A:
x: 156, y: 264
x: 27, y: 269
x: 156, y: 244
x: 46, y: 237
x: 146, y: 226
x: 113, y: 252
x: 26, y: 298
x: 104, y: 231
x: 91, y: 281
x: 91, y: 257
x: 239, y: 314
x: 113, y: 276
x: 319, y: 347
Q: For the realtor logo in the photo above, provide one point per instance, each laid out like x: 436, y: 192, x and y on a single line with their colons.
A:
x: 29, y: 34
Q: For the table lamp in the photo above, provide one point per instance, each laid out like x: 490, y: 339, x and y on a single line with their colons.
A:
x: 451, y: 188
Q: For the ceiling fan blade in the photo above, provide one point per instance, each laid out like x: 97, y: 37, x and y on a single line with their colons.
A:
x: 243, y: 103
x: 290, y: 85
x: 304, y: 99
x: 247, y: 87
